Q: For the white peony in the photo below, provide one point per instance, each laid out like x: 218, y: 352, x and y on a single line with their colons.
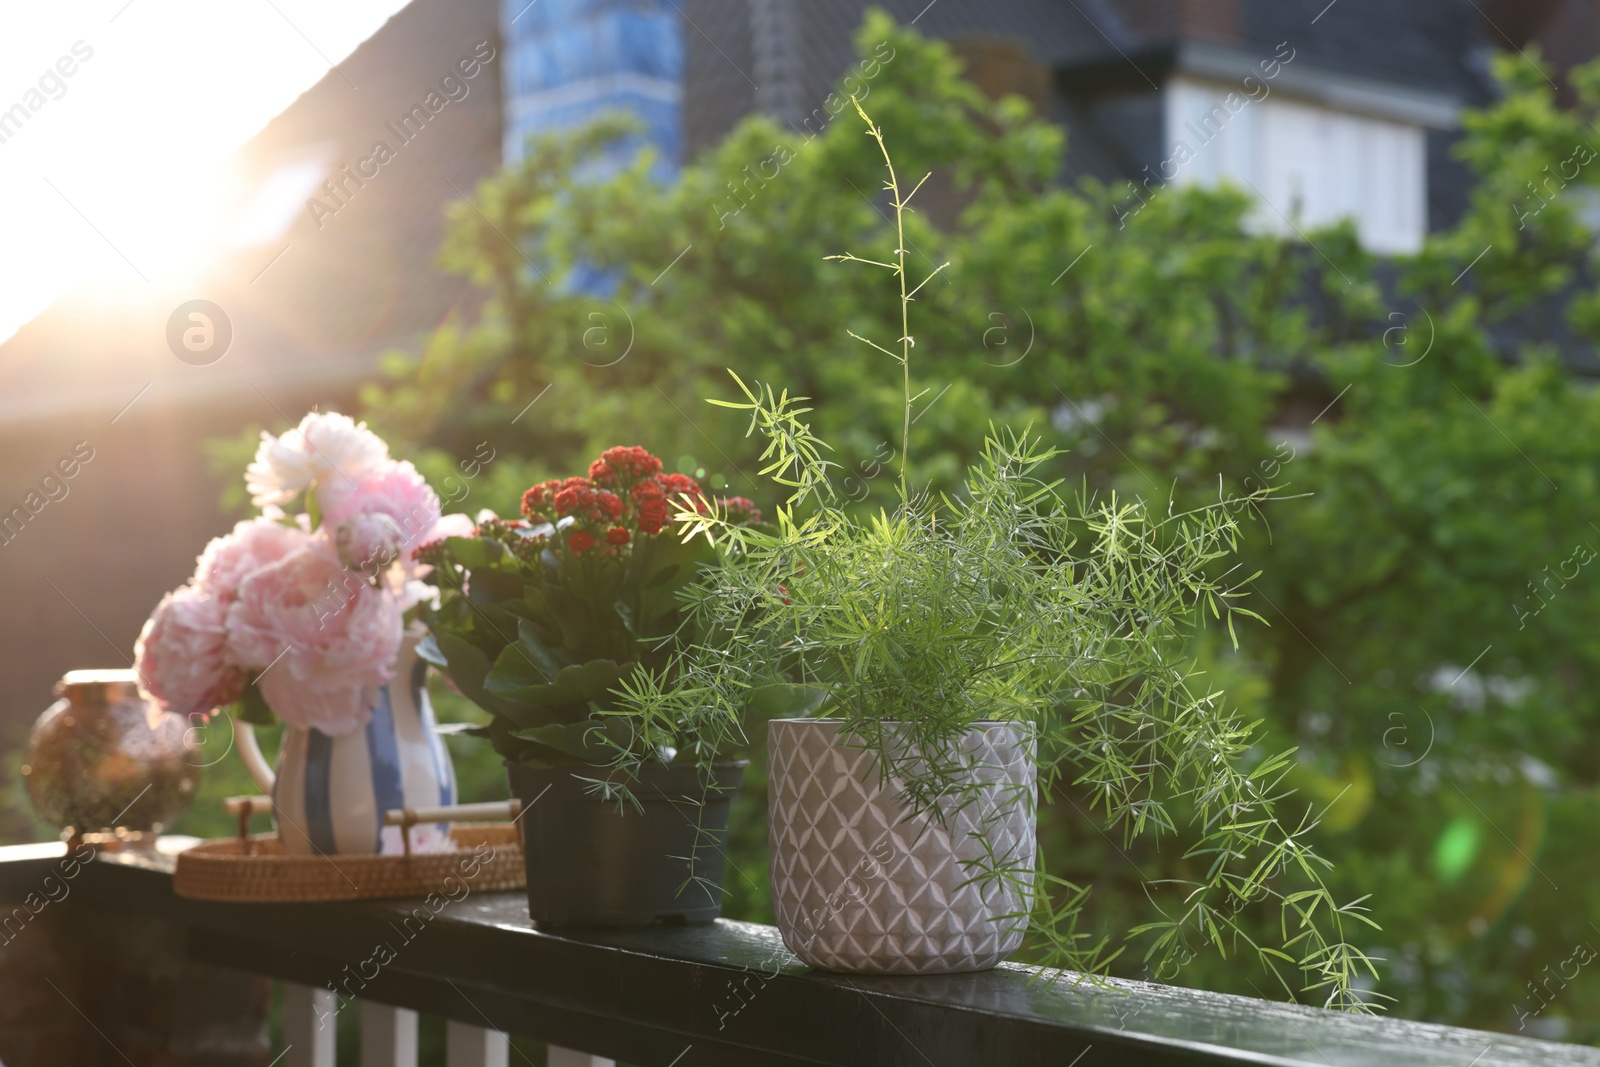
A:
x: 329, y: 449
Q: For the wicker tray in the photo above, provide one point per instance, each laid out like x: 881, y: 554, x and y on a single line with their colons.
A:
x: 488, y: 858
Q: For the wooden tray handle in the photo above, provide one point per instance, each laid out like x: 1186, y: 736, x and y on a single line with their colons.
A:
x: 492, y: 811
x: 405, y: 818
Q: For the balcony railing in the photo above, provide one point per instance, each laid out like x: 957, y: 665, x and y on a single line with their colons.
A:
x: 140, y: 975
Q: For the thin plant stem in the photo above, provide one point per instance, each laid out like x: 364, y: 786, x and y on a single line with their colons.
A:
x: 899, y: 267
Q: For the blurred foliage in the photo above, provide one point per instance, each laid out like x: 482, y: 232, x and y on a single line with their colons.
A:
x: 1424, y: 571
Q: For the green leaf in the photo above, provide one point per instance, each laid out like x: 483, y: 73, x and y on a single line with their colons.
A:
x: 663, y: 576
x: 514, y: 679
x: 584, y: 740
x: 467, y: 667
x: 663, y: 566
x: 786, y: 700
x: 477, y: 552
x: 545, y: 660
x: 428, y: 649
x: 501, y: 584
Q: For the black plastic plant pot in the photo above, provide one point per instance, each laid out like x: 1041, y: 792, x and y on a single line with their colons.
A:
x: 591, y: 864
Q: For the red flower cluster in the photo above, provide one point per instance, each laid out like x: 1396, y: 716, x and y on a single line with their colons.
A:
x: 650, y: 505
x: 571, y: 496
x: 625, y: 496
x: 679, y: 483
x: 623, y: 466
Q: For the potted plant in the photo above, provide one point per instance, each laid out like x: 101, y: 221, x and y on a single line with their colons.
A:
x: 546, y: 622
x: 964, y: 654
x: 300, y: 614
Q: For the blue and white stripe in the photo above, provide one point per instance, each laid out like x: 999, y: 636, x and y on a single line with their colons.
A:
x: 331, y: 792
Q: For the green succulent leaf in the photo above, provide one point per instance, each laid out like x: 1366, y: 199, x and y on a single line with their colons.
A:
x: 786, y: 700
x: 515, y: 679
x: 476, y: 553
x: 467, y: 667
x: 428, y: 649
x: 586, y: 740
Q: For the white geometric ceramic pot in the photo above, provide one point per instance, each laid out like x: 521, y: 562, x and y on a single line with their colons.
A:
x: 329, y: 793
x: 860, y: 883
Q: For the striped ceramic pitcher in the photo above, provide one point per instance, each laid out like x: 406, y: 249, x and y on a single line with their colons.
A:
x: 330, y: 793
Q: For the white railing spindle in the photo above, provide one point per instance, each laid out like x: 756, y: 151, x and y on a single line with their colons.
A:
x: 388, y: 1036
x: 308, y: 1028
x: 472, y: 1046
x: 565, y: 1057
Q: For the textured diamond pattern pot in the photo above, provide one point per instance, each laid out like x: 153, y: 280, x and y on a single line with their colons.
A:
x: 862, y: 883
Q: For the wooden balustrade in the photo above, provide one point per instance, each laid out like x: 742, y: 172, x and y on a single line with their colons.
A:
x: 149, y: 977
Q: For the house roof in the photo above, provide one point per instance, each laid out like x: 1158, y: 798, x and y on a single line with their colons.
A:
x: 1428, y: 54
x: 1423, y: 48
x: 726, y: 60
x: 1429, y: 44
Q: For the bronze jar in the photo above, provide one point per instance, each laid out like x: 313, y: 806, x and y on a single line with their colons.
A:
x: 104, y: 757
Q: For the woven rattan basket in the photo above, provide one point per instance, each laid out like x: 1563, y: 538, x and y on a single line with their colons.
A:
x: 488, y: 858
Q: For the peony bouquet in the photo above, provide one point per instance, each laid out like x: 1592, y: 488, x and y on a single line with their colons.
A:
x: 300, y: 611
x: 543, y: 620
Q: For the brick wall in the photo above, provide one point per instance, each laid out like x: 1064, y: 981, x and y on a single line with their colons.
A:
x: 1001, y: 66
x: 1210, y: 20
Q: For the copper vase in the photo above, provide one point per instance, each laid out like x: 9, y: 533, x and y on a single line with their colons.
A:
x: 103, y: 757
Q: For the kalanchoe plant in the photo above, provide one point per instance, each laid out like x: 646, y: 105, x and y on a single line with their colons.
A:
x: 543, y: 619
x: 1018, y: 602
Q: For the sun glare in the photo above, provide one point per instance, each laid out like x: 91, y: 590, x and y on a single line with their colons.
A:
x: 118, y: 121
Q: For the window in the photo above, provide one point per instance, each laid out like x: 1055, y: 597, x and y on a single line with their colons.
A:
x: 1312, y: 165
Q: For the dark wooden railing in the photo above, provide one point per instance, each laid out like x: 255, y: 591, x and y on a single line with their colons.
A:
x: 140, y: 975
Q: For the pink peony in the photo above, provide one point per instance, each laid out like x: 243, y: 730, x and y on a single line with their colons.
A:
x: 392, y: 489
x: 181, y: 654
x: 328, y: 449
x: 323, y: 639
x: 253, y: 544
x: 385, y: 518
x: 369, y: 543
